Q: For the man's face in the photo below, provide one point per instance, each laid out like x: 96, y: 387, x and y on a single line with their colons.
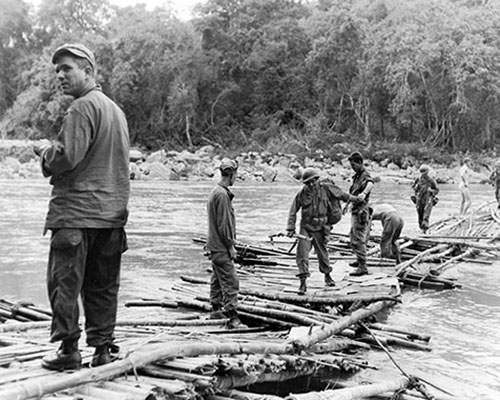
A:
x: 355, y: 165
x: 234, y: 175
x: 72, y: 78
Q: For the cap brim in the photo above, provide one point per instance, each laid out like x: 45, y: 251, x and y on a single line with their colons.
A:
x: 75, y: 52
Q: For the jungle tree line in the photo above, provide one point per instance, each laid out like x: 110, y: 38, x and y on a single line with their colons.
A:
x: 267, y: 74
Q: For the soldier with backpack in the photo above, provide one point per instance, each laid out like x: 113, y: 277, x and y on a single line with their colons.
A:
x: 319, y: 202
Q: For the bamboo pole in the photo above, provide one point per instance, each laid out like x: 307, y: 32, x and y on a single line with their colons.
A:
x: 402, y: 267
x: 357, y: 392
x: 340, y: 299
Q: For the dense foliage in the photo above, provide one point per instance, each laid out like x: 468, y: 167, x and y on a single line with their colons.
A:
x: 279, y: 75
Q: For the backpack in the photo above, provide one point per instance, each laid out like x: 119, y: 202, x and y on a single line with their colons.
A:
x: 334, y: 213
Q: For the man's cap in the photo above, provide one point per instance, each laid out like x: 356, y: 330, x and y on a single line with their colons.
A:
x: 309, y: 174
x: 356, y: 156
x: 228, y: 165
x: 76, y: 49
x: 424, y: 168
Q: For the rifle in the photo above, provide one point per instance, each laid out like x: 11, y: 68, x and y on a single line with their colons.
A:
x: 295, y: 236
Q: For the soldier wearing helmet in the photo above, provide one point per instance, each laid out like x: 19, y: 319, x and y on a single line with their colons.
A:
x: 224, y: 283
x: 425, y: 199
x: 315, y: 200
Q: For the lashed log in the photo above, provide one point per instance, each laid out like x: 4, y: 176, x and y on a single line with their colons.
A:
x: 357, y: 392
x: 152, y: 353
x: 338, y: 326
x: 460, y: 242
x: 402, y: 267
x: 23, y: 310
x: 334, y: 300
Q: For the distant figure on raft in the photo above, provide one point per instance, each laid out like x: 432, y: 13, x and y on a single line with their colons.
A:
x: 224, y: 282
x: 495, y: 181
x: 361, y: 187
x: 318, y: 201
x: 463, y: 175
x: 392, y: 225
x: 425, y: 196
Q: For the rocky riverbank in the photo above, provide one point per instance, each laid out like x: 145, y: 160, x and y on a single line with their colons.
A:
x: 17, y: 161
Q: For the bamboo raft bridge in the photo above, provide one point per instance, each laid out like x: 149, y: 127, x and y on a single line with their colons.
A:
x: 295, y: 347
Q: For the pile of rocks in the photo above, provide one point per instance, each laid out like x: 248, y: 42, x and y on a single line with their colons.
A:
x: 17, y: 160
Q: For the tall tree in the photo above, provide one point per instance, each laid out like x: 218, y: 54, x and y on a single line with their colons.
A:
x: 15, y: 30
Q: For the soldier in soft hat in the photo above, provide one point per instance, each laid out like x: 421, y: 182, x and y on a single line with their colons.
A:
x: 362, y: 184
x: 224, y: 283
x: 88, y: 166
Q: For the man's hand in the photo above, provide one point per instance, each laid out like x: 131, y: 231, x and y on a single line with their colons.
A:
x: 290, y: 233
x: 232, y: 252
x: 361, y: 197
x: 40, y: 146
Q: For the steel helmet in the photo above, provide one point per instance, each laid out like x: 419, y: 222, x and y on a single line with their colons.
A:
x: 424, y: 168
x: 309, y: 174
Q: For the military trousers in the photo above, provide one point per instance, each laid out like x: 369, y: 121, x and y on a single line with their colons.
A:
x: 358, y: 235
x: 389, y: 248
x: 424, y: 209
x: 86, y: 263
x: 319, y: 240
x: 224, y: 282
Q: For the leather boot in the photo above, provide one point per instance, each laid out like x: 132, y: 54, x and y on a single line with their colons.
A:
x: 101, y: 356
x: 360, y: 271
x: 67, y: 357
x: 303, y: 287
x: 329, y: 280
x: 353, y: 264
x: 234, y: 322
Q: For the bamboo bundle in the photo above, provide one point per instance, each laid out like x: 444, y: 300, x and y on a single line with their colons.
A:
x: 227, y: 382
x: 315, y: 300
x: 357, y: 392
x: 200, y: 382
x: 23, y: 310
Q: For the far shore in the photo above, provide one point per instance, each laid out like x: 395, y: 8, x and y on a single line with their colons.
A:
x: 18, y: 161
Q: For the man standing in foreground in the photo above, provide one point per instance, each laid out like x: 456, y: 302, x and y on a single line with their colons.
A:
x: 361, y: 187
x: 89, y: 169
x: 392, y: 225
x: 224, y: 283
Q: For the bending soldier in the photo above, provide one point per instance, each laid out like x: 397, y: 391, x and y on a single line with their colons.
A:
x: 392, y: 225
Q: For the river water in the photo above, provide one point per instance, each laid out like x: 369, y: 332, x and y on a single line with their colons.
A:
x: 165, y: 216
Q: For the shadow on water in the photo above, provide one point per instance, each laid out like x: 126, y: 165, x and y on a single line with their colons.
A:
x: 166, y: 216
